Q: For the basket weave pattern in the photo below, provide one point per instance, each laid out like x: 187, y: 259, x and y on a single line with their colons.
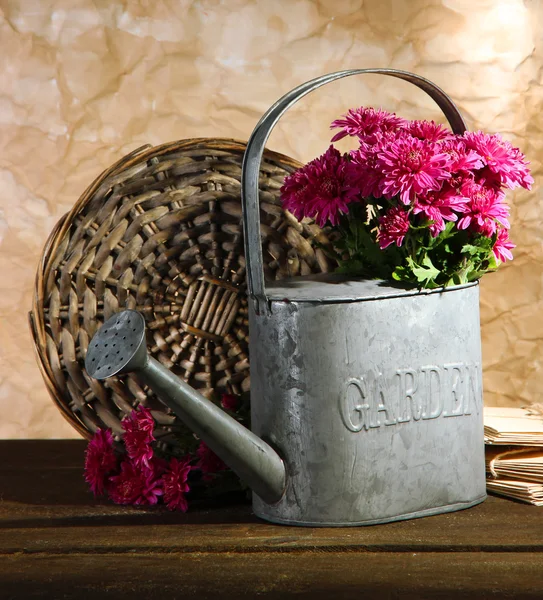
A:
x: 160, y: 232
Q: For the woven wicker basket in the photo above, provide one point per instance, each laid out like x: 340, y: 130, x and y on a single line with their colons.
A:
x: 160, y: 232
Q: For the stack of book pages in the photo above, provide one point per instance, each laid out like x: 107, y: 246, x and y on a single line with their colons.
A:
x: 514, y: 452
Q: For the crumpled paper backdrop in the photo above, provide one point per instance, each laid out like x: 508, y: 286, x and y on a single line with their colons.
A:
x: 83, y: 82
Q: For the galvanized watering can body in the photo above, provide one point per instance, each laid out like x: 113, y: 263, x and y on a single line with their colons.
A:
x: 366, y: 398
x: 371, y: 393
x: 375, y: 404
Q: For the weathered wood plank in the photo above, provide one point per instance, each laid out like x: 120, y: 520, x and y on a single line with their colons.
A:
x: 259, y: 537
x: 41, y: 454
x: 347, y: 576
x: 46, y: 497
x: 45, y: 507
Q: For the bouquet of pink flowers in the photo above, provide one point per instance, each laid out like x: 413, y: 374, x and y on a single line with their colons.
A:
x: 414, y: 202
x: 135, y: 471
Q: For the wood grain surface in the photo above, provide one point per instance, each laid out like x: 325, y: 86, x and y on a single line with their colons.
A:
x: 57, y: 541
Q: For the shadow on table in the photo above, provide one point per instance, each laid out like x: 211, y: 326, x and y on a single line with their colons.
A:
x: 60, y: 498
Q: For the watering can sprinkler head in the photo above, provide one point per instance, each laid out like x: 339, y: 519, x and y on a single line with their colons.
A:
x: 119, y: 347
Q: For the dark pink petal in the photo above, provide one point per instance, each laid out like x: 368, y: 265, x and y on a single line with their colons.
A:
x: 363, y: 171
x: 208, y: 461
x: 135, y: 485
x: 367, y: 124
x: 461, y: 159
x: 501, y: 158
x: 175, y: 484
x: 429, y: 131
x: 438, y: 207
x: 339, y: 135
x: 393, y: 226
x: 412, y: 167
x: 503, y: 246
x: 319, y: 189
x: 100, y: 460
x: 229, y: 401
x: 138, y: 436
x: 484, y: 208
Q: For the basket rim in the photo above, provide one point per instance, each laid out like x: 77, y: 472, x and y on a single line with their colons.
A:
x: 36, y: 315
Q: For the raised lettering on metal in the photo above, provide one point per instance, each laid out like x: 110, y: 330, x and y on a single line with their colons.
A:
x: 353, y: 405
x: 429, y: 392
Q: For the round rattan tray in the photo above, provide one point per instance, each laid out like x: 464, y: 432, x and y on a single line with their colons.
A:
x: 161, y: 232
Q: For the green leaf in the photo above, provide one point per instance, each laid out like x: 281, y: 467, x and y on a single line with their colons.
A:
x: 446, y: 234
x: 426, y: 272
x: 474, y: 275
x: 402, y: 274
x: 351, y: 266
x: 448, y: 231
x: 473, y: 250
x: 463, y: 274
x: 492, y: 262
x: 370, y: 248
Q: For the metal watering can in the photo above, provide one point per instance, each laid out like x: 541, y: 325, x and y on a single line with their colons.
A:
x: 366, y: 398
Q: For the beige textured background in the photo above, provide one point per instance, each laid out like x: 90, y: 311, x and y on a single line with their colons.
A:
x: 83, y: 82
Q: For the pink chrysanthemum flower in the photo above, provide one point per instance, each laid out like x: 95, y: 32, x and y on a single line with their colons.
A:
x: 363, y: 172
x: 501, y: 158
x: 458, y: 180
x: 393, y: 227
x: 208, y: 461
x: 439, y: 207
x: 429, y: 131
x: 135, y: 485
x: 411, y: 167
x: 296, y: 192
x: 461, y: 159
x: 368, y: 124
x: 100, y: 460
x: 484, y: 207
x: 229, y: 401
x: 503, y: 246
x: 318, y: 190
x: 488, y: 178
x: 175, y: 484
x: 138, y: 428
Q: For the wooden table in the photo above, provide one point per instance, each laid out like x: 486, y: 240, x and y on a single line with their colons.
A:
x: 56, y: 541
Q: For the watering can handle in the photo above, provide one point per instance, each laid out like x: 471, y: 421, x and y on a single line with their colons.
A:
x: 250, y: 170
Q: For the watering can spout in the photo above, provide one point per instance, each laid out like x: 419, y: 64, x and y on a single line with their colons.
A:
x: 120, y: 347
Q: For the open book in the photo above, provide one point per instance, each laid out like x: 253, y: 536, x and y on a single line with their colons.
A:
x: 518, y: 463
x: 513, y: 426
x: 515, y: 471
x: 519, y: 490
